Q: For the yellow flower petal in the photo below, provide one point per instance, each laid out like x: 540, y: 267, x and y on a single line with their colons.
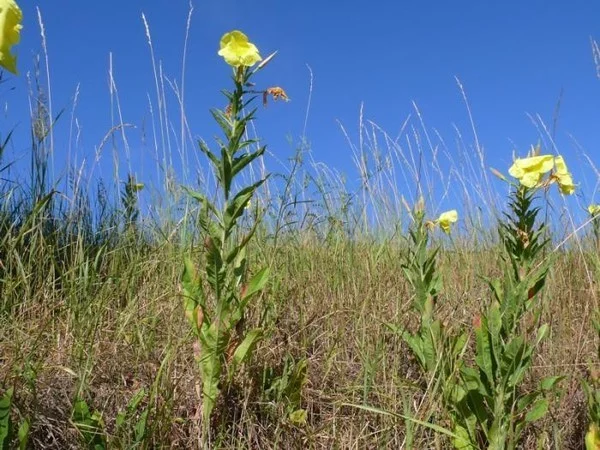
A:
x: 563, y: 177
x: 446, y: 219
x: 529, y: 171
x: 10, y: 33
x: 530, y: 179
x: 560, y: 167
x: 594, y: 210
x: 237, y: 50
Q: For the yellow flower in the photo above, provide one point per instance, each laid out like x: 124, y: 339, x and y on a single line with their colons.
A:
x: 592, y: 438
x: 594, y: 210
x: 446, y: 219
x: 10, y: 33
x: 237, y: 51
x: 563, y: 177
x: 529, y: 171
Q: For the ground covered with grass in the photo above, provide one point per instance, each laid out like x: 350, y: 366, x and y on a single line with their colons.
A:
x: 102, y: 322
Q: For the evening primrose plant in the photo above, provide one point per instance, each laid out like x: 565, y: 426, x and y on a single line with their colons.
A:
x: 11, y: 18
x: 436, y: 350
x: 216, y: 300
x: 491, y: 407
x: 591, y: 388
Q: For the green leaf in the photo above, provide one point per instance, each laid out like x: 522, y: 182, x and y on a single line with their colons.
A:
x: 257, y: 283
x: 130, y: 409
x: 213, y: 343
x: 189, y: 279
x: 538, y: 410
x: 415, y: 343
x: 215, y: 271
x: 241, y: 162
x: 214, y: 159
x: 223, y: 120
x: 193, y: 294
x: 5, y: 403
x: 246, y: 347
x: 548, y: 383
x: 431, y: 426
x: 23, y: 434
x: 542, y: 333
x: 460, y: 344
x: 462, y: 441
x: 526, y: 400
x: 298, y: 417
x: 140, y: 427
x: 235, y: 208
x: 484, y: 351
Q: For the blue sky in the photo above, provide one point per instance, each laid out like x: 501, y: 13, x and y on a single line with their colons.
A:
x: 513, y: 58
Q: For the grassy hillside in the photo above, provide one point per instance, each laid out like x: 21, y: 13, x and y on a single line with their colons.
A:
x: 115, y: 317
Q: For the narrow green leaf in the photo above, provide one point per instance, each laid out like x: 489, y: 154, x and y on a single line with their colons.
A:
x: 236, y: 206
x: 538, y: 410
x: 542, y: 333
x: 5, y: 404
x: 23, y: 434
x: 549, y: 383
x: 140, y: 427
x: 246, y: 347
x: 484, y: 354
x: 431, y: 426
x: 241, y: 162
x: 257, y: 283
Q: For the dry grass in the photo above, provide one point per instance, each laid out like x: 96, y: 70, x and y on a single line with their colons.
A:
x: 328, y: 304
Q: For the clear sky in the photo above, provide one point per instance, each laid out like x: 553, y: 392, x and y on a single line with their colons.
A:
x: 514, y: 59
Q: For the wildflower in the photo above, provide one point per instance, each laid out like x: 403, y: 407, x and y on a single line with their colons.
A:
x: 237, y: 51
x: 562, y: 176
x: 594, y: 210
x: 529, y: 171
x: 592, y: 438
x: 10, y: 33
x: 446, y: 219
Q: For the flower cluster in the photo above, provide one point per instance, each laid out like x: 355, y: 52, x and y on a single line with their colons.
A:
x: 10, y: 33
x: 530, y: 172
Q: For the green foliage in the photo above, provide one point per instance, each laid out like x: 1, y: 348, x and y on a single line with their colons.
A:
x: 437, y: 351
x: 7, y: 425
x: 5, y: 422
x: 131, y: 422
x: 89, y: 424
x: 286, y: 388
x: 420, y: 269
x: 215, y: 303
x: 129, y: 201
x: 490, y: 407
x: 591, y: 388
